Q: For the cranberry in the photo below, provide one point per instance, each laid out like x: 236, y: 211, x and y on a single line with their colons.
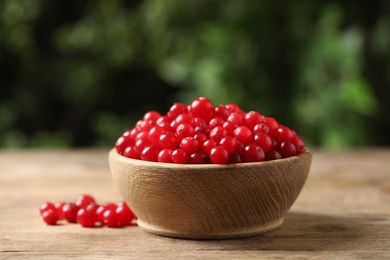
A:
x: 202, y: 107
x: 89, y: 214
x: 253, y: 153
x: 179, y: 156
x: 229, y: 143
x: 184, y: 130
x: 47, y: 206
x: 177, y: 109
x: 124, y: 214
x: 189, y: 144
x: 219, y: 155
x: 287, y: 149
x: 50, y: 216
x: 253, y: 118
x: 197, y: 158
x: 168, y: 140
x: 122, y: 143
x: 264, y: 141
x: 150, y: 153
x: 188, y: 133
x: 86, y: 217
x: 165, y: 155
x: 217, y: 133
x: 131, y: 152
x: 70, y: 211
x: 243, y: 134
x: 154, y: 134
x: 84, y: 200
x: 152, y: 116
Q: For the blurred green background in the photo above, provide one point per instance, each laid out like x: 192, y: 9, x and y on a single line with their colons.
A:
x: 78, y: 73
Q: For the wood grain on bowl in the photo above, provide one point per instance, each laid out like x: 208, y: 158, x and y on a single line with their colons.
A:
x: 209, y: 201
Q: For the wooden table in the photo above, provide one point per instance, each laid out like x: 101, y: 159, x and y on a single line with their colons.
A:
x: 343, y: 212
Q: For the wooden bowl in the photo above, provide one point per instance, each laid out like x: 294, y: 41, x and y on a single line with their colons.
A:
x: 208, y: 201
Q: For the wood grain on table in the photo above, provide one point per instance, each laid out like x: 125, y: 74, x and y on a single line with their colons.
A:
x: 343, y: 212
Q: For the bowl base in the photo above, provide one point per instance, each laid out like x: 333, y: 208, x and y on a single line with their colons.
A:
x: 239, y: 233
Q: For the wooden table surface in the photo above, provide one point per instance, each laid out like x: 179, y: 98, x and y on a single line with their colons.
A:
x: 343, y: 212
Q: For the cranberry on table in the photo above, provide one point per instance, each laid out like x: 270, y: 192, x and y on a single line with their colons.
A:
x: 50, y: 216
x: 86, y: 217
x: 86, y: 212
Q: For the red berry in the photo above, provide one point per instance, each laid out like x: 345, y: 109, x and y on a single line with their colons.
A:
x: 101, y: 209
x: 168, y: 141
x: 70, y: 210
x: 189, y: 144
x: 282, y: 134
x: 133, y: 133
x: 202, y: 107
x: 165, y: 155
x: 239, y: 148
x: 59, y: 205
x: 204, y: 129
x: 287, y: 149
x: 110, y: 218
x: 253, y: 153
x: 217, y: 133
x: 124, y: 215
x: 201, y: 138
x: 124, y: 204
x: 253, y: 118
x: 272, y: 125
x: 131, y: 152
x: 86, y: 217
x: 221, y: 111
x: 219, y: 155
x: 260, y: 128
x: 143, y: 134
x: 163, y: 119
x: 150, y: 153
x: 197, y: 158
x: 154, y: 134
x: 122, y: 143
x: 179, y: 156
x: 140, y: 144
x: 199, y: 121
x: 229, y: 143
x: 233, y: 108
x: 264, y: 141
x: 177, y: 109
x: 234, y: 158
x: 184, y: 130
x: 236, y: 118
x: 83, y: 200
x: 272, y: 155
x: 145, y: 125
x: 152, y: 116
x: 183, y: 118
x: 50, y: 216
x: 229, y: 127
x: 298, y: 143
x: 216, y: 121
x: 47, y: 206
x: 243, y: 134
x: 208, y: 145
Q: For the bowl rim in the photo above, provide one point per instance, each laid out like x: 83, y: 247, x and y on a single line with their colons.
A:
x: 115, y: 155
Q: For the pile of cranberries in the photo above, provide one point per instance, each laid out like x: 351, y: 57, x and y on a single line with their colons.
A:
x: 200, y: 133
x: 88, y: 213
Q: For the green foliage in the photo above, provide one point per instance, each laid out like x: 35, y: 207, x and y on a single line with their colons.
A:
x: 78, y: 73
